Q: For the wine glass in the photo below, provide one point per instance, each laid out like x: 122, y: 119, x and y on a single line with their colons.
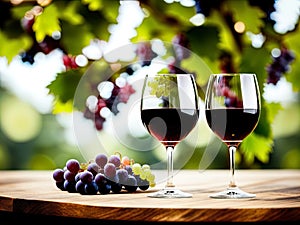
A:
x: 169, y: 111
x: 232, y: 109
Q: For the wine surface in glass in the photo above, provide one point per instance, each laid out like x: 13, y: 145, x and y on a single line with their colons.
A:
x: 169, y: 125
x: 232, y: 124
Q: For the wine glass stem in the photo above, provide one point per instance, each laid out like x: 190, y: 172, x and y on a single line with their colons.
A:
x: 170, y: 150
x: 232, y: 150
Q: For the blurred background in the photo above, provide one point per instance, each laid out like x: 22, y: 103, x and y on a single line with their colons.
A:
x: 51, y: 52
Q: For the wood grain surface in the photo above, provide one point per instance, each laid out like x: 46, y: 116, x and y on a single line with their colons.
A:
x: 277, y: 198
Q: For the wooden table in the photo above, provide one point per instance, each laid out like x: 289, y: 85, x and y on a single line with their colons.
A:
x: 33, y: 194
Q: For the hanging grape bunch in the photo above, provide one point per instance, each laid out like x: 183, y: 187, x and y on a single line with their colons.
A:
x: 110, y: 95
x: 279, y: 65
x: 104, y: 175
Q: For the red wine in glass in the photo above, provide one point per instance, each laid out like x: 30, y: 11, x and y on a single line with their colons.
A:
x: 232, y: 110
x: 169, y: 111
x: 169, y: 125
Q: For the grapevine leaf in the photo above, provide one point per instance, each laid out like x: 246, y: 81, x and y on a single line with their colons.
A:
x: 267, y: 116
x: 12, y: 47
x: 46, y: 23
x: 256, y: 146
x: 273, y: 109
x: 65, y: 84
x: 227, y: 41
x: 185, y: 13
x: 292, y: 41
x: 71, y: 15
x: 249, y: 63
x: 251, y: 16
x: 196, y: 65
x: 204, y: 34
x: 82, y: 34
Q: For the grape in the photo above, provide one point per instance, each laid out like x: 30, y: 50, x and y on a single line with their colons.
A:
x: 70, y: 186
x: 86, y: 177
x: 131, y: 184
x: 73, y: 165
x: 69, y: 176
x: 110, y: 170
x: 93, y: 168
x: 91, y: 188
x: 60, y: 185
x: 129, y: 169
x: 279, y: 66
x: 104, y: 188
x: 136, y: 168
x: 80, y: 187
x: 122, y: 175
x: 115, y: 159
x: 77, y: 176
x: 114, y: 179
x: 146, y: 167
x: 100, y: 179
x: 125, y: 160
x: 116, y: 187
x: 142, y: 184
x: 101, y: 160
x: 58, y: 175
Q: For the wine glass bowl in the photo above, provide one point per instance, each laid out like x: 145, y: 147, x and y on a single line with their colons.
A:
x: 169, y: 111
x: 232, y: 109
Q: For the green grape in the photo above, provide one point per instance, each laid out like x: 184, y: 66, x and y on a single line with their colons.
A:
x: 137, y: 168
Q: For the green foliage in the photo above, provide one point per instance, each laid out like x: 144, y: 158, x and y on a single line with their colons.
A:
x: 259, y: 143
x: 256, y: 146
x: 13, y: 47
x: 204, y: 34
x: 249, y: 15
x: 71, y: 14
x: 65, y: 84
x: 47, y: 23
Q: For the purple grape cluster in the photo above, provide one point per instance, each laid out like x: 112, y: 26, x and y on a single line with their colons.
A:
x: 104, y: 175
x: 118, y: 95
x: 279, y: 66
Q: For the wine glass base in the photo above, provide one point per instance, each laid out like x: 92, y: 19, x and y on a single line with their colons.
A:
x: 232, y: 193
x: 170, y: 193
